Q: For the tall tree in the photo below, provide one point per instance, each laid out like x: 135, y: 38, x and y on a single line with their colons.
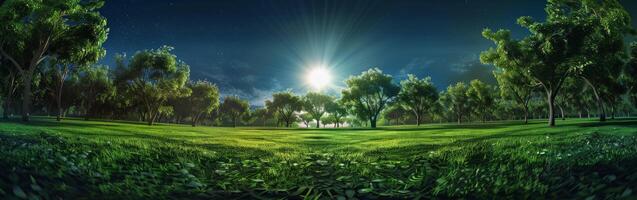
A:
x: 551, y: 53
x: 285, y: 105
x: 630, y: 73
x: 307, y: 118
x: 203, y: 98
x: 417, y: 96
x: 480, y: 96
x: 263, y: 114
x: 369, y: 93
x: 152, y: 77
x: 604, y: 49
x: 456, y: 101
x: 66, y: 62
x: 338, y: 111
x: 518, y: 86
x: 32, y: 31
x: 96, y: 87
x: 316, y: 104
x: 396, y: 113
x: 234, y: 108
x: 10, y: 81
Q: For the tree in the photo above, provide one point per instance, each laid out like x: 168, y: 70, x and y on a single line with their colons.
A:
x: 316, y: 104
x: 338, y: 111
x: 234, y: 108
x: 518, y: 86
x: 202, y: 100
x: 456, y: 101
x: 10, y: 82
x: 307, y: 118
x: 550, y: 54
x: 285, y: 105
x: 481, y: 100
x: 630, y: 73
x: 66, y: 62
x: 262, y: 114
x: 417, y: 96
x: 32, y: 31
x: 369, y: 93
x: 328, y: 119
x: 96, y: 87
x: 396, y: 113
x: 152, y: 76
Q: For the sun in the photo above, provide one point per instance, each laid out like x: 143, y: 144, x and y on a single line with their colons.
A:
x: 318, y: 77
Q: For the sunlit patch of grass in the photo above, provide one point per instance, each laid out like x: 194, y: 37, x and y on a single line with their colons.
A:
x: 90, y: 159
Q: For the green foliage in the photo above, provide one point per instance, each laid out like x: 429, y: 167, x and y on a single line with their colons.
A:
x: 630, y: 73
x: 285, y: 105
x: 369, y: 93
x: 455, y: 100
x: 96, y: 88
x: 151, y: 77
x: 396, y: 114
x: 418, y: 96
x: 32, y: 31
x: 577, y: 38
x: 234, y: 108
x: 316, y: 104
x: 307, y: 118
x: 518, y: 86
x: 481, y: 99
x: 263, y: 114
x: 200, y: 99
x: 337, y: 111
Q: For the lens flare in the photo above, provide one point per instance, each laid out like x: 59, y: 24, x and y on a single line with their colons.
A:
x: 318, y: 77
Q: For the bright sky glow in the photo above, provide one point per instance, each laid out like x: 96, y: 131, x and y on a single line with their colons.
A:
x: 318, y: 77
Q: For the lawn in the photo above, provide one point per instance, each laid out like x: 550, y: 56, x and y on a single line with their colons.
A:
x: 95, y: 159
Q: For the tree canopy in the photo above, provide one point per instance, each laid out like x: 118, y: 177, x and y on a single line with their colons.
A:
x: 152, y: 76
x: 369, y: 93
x: 234, y: 108
x: 417, y: 96
x: 316, y: 104
x: 285, y: 105
x: 32, y: 31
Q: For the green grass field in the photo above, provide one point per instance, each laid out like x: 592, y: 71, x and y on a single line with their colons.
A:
x: 87, y: 159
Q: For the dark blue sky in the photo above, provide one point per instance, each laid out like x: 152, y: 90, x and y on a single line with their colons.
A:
x: 251, y: 48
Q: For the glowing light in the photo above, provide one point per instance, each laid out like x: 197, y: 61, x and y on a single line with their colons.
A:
x: 318, y: 77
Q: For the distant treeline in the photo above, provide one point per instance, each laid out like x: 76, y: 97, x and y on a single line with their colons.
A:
x: 576, y: 63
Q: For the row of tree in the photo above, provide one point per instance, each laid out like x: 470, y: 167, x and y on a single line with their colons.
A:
x: 48, y: 50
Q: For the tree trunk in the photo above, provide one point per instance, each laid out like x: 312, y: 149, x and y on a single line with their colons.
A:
x: 58, y: 100
x: 372, y: 122
x: 417, y: 120
x: 318, y: 123
x: 459, y: 118
x: 551, y: 104
x: 526, y: 115
x: 8, y: 101
x: 151, y: 118
x: 26, y: 94
x: 562, y: 112
x: 600, y: 103
x: 7, y: 104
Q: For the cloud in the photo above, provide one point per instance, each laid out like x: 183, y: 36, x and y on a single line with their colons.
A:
x: 413, y: 65
x: 240, y: 79
x: 444, y: 72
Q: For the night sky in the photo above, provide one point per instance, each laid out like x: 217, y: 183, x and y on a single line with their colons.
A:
x: 251, y: 48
